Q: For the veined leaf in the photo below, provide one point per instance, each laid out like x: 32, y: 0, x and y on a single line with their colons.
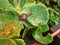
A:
x: 36, y: 17
x: 19, y: 42
x: 4, y: 41
x: 37, y: 34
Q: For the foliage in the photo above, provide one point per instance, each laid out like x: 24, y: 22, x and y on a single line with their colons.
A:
x: 5, y: 41
x: 40, y: 14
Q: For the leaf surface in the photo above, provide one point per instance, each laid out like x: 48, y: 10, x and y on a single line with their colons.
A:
x: 36, y: 17
x: 37, y: 34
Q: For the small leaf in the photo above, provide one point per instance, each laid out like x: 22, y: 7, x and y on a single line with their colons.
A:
x: 56, y: 8
x: 54, y: 18
x: 19, y: 42
x: 37, y: 34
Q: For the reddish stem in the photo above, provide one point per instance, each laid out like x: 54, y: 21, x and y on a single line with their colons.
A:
x: 36, y: 43
x: 56, y: 33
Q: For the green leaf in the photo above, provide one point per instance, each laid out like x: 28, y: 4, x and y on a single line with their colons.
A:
x: 37, y: 34
x: 19, y: 42
x: 56, y: 8
x: 10, y: 25
x: 54, y: 18
x: 36, y: 17
x: 43, y: 28
x: 13, y: 2
x: 4, y: 41
x: 22, y: 3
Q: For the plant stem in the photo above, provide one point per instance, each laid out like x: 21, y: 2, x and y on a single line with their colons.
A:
x: 36, y: 43
x: 56, y: 33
